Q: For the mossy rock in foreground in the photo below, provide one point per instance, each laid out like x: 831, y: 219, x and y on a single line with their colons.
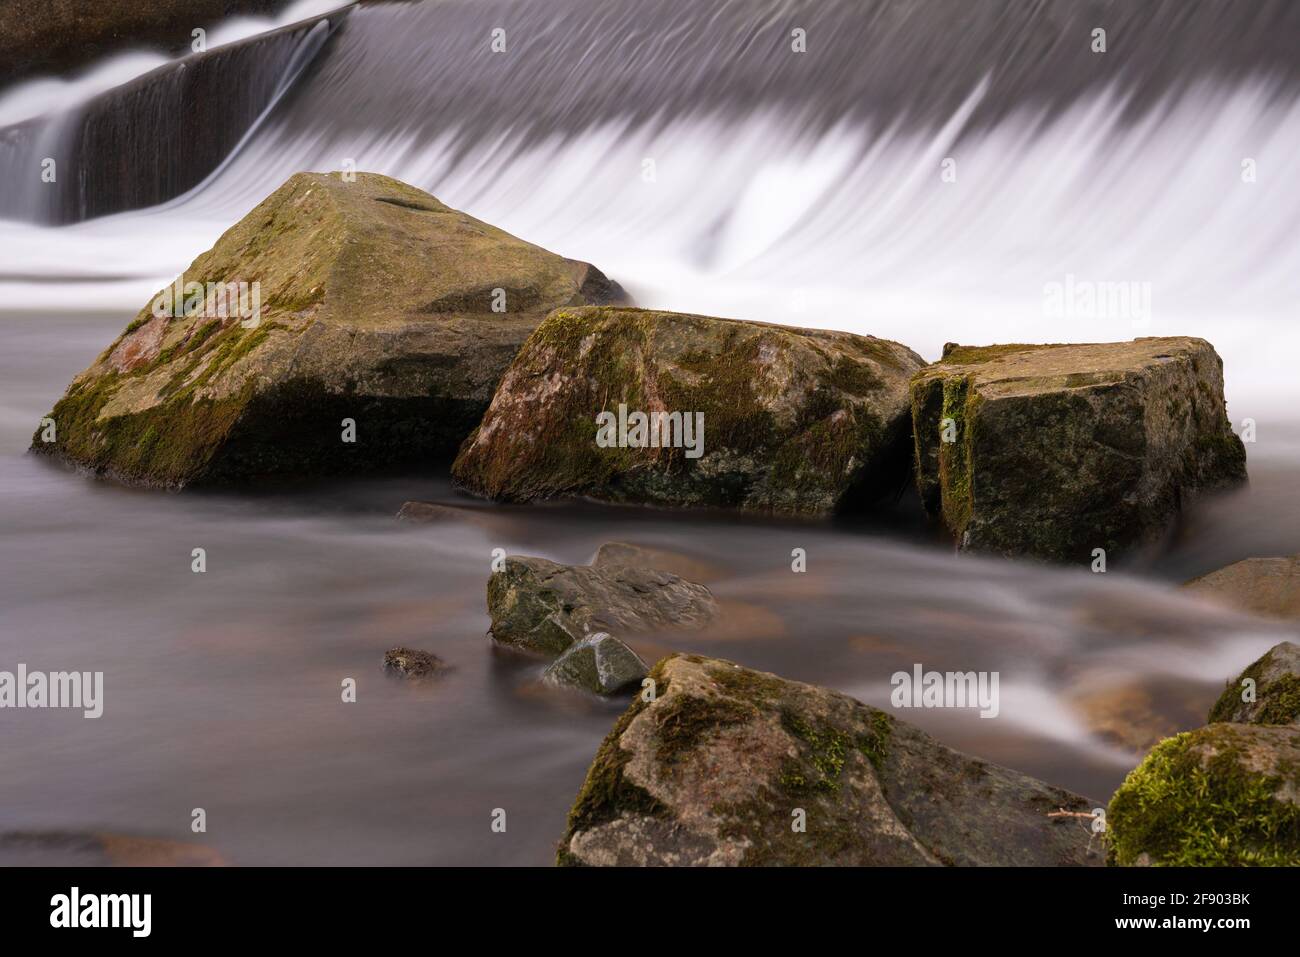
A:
x: 377, y: 304
x: 1267, y: 692
x: 725, y: 762
x: 1224, y: 795
x: 793, y: 420
x: 1052, y: 451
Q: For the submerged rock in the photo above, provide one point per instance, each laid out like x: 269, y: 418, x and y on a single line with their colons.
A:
x: 728, y: 766
x: 598, y: 663
x: 543, y: 606
x: 1224, y: 795
x: 1267, y: 692
x: 413, y: 663
x: 1262, y: 586
x: 100, y: 849
x: 624, y: 554
x: 754, y: 416
x: 1052, y: 451
x: 375, y: 303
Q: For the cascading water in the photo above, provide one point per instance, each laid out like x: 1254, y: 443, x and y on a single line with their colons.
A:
x: 691, y: 153
x: 155, y: 137
x: 713, y: 168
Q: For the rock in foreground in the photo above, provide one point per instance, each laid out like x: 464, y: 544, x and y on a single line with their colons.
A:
x: 1052, y: 451
x: 1224, y: 795
x: 1272, y: 695
x: 754, y: 416
x: 718, y: 768
x: 543, y: 606
x: 598, y: 663
x: 1262, y: 586
x: 373, y: 303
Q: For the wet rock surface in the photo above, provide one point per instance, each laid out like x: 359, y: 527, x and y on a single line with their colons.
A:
x: 1051, y: 451
x: 544, y: 607
x: 769, y: 418
x: 725, y: 764
x: 376, y: 304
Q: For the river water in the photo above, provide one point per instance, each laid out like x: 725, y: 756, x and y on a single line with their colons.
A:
x: 806, y: 202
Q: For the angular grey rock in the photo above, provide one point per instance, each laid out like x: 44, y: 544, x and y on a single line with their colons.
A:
x: 543, y: 606
x: 598, y: 663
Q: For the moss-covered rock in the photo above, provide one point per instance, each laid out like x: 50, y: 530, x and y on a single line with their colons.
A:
x: 793, y: 420
x: 413, y: 664
x: 598, y: 663
x: 728, y: 766
x: 1226, y: 794
x: 1261, y: 586
x: 377, y: 304
x: 1052, y: 451
x: 544, y: 607
x: 1267, y: 692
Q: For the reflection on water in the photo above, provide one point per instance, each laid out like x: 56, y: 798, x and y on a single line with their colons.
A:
x: 223, y: 689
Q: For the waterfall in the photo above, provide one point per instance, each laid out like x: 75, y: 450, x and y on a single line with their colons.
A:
x: 690, y: 150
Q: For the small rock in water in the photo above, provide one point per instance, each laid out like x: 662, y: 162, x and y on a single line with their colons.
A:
x: 100, y: 849
x: 412, y: 663
x: 426, y: 513
x: 598, y: 663
x: 624, y: 555
x: 543, y: 606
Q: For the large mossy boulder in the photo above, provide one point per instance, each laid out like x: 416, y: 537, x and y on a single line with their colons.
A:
x: 728, y: 766
x: 1052, y: 451
x: 1261, y: 586
x: 1267, y: 692
x: 376, y: 303
x: 542, y: 606
x: 782, y: 419
x: 1224, y: 795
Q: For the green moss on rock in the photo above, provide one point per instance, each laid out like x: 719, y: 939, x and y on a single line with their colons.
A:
x: 1274, y: 690
x: 794, y: 420
x: 1221, y: 796
x: 1052, y: 451
x: 376, y: 304
x: 730, y: 766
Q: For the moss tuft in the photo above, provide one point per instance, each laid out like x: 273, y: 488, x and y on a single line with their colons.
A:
x: 1182, y: 807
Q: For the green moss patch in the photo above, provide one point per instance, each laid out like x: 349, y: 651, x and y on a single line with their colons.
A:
x: 1185, y: 809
